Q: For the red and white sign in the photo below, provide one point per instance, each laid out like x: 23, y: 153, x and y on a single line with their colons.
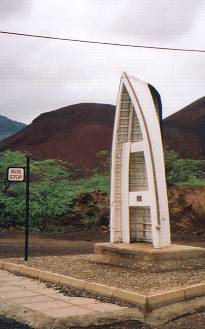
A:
x: 16, y: 174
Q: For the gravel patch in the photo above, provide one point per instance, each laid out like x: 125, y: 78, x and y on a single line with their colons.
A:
x: 79, y: 266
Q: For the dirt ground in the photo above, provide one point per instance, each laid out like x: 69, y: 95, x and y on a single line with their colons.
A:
x: 72, y: 243
x: 77, y: 243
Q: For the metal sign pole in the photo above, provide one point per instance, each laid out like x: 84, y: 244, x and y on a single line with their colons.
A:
x: 27, y: 207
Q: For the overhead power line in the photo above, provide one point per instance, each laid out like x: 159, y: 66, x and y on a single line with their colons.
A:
x: 101, y: 42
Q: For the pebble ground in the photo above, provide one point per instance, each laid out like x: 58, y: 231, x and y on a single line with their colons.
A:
x: 79, y: 266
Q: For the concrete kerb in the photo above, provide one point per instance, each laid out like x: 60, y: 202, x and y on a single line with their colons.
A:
x: 172, y: 311
x: 162, y: 299
x: 146, y: 303
x: 196, y: 290
x: 72, y: 282
x: 14, y: 268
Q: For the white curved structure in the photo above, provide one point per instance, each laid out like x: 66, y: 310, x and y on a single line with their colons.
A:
x: 139, y: 206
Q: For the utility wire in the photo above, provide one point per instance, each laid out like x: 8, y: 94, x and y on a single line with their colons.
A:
x: 102, y: 43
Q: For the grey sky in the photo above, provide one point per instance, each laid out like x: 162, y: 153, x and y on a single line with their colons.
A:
x: 41, y: 75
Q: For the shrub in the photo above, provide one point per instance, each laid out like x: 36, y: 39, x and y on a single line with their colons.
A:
x: 52, y: 190
x: 179, y: 171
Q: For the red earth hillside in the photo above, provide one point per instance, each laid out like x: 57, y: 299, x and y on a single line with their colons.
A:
x: 184, y: 131
x: 74, y: 133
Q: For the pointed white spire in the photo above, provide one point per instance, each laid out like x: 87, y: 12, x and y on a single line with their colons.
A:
x: 139, y: 206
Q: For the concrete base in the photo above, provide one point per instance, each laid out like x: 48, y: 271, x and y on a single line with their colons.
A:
x: 143, y: 257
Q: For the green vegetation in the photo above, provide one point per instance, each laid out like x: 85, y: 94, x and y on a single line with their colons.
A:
x: 194, y: 181
x: 184, y: 171
x: 54, y: 189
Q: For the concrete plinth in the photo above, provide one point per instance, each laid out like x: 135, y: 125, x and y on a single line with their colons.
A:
x: 143, y: 257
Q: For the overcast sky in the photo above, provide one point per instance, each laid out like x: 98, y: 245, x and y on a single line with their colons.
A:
x: 39, y: 75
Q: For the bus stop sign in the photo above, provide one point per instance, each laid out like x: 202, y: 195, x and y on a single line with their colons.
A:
x: 16, y: 174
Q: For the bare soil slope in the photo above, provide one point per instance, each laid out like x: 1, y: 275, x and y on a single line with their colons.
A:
x: 184, y: 131
x: 74, y: 133
x: 187, y: 212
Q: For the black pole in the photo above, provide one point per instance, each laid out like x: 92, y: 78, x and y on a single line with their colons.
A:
x: 27, y: 206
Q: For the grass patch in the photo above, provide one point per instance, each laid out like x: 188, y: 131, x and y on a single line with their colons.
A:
x: 193, y: 182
